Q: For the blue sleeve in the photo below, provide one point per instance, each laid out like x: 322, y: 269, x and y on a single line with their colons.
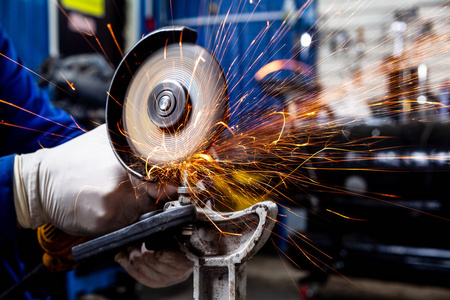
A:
x: 8, y: 223
x: 28, y: 122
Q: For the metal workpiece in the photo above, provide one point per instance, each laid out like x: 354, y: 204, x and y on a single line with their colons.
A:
x: 221, y: 243
x: 185, y: 194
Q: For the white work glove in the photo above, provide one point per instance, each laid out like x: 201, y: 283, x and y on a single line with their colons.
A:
x: 155, y: 269
x: 81, y: 188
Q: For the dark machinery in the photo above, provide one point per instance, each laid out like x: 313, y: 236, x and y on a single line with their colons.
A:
x: 393, y: 190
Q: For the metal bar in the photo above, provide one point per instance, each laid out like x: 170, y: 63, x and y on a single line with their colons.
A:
x: 231, y: 18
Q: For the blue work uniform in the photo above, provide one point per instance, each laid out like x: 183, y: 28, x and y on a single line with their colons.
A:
x: 28, y: 121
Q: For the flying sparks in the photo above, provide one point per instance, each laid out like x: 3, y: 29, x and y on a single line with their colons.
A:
x: 303, y: 124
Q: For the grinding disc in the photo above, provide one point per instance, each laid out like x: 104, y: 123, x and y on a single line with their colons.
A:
x: 190, y: 74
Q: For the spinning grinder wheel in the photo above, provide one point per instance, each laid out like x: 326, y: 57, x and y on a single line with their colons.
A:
x: 168, y: 100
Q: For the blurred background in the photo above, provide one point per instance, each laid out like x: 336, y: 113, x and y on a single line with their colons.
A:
x: 365, y: 80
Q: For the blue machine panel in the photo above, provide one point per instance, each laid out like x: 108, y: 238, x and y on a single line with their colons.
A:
x: 26, y: 22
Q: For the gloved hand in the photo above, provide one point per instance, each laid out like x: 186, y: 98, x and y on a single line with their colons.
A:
x: 81, y: 188
x: 155, y: 269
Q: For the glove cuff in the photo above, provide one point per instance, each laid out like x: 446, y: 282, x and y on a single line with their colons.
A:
x: 26, y: 190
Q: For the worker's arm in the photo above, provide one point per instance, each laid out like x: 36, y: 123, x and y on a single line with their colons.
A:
x: 27, y: 122
x: 8, y: 227
x: 81, y: 188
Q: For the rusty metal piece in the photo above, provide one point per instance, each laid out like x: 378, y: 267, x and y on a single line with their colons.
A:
x: 220, y: 245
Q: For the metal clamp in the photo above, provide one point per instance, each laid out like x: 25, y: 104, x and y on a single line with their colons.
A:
x: 220, y: 245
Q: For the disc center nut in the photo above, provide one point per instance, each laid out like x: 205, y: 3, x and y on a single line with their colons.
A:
x: 164, y: 103
x: 167, y: 104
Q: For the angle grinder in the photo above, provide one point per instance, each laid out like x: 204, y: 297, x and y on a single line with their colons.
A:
x: 168, y: 101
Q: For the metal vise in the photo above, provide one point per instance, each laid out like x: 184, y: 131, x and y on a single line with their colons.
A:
x: 220, y: 244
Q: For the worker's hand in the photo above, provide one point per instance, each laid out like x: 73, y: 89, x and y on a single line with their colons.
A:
x: 81, y: 188
x: 155, y: 269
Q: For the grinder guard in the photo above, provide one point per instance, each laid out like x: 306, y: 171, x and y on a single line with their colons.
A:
x: 178, y: 134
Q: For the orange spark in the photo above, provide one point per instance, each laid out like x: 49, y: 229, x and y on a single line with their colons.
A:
x: 107, y: 92
x: 120, y: 130
x: 165, y: 49
x: 32, y: 113
x: 226, y: 126
x: 304, y: 238
x: 114, y: 37
x: 27, y: 128
x: 70, y: 84
x: 78, y: 126
x: 340, y: 215
x: 31, y: 71
x: 230, y: 233
x: 206, y: 157
x: 282, y: 129
x: 97, y: 40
